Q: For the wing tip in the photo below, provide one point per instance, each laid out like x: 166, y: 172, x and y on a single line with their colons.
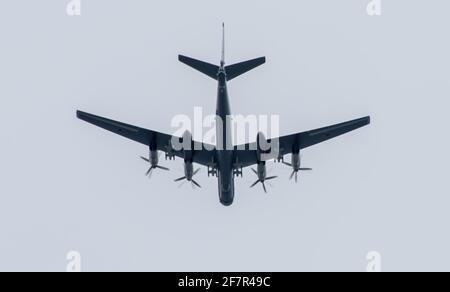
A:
x: 80, y: 114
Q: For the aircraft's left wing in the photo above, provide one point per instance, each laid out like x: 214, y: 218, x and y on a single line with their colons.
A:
x: 247, y: 155
x: 160, y: 141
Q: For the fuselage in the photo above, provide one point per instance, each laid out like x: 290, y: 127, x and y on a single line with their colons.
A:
x: 224, y: 153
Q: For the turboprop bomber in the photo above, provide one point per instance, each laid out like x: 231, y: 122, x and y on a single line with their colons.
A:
x: 224, y: 163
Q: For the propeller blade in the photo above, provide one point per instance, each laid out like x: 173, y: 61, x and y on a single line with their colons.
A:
x: 292, y: 175
x: 149, y: 171
x: 264, y: 187
x: 180, y: 179
x: 145, y: 159
x: 162, y: 167
x: 196, y: 183
x: 305, y: 169
x: 271, y: 177
x: 255, y: 171
x: 182, y: 184
x: 287, y: 163
x: 296, y: 177
x: 253, y: 185
x: 195, y: 172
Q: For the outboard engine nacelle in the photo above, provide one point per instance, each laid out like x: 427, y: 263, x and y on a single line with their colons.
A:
x: 296, y: 165
x: 296, y: 161
x: 153, y: 160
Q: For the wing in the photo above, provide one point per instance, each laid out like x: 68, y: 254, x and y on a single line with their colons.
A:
x: 246, y: 155
x: 159, y: 141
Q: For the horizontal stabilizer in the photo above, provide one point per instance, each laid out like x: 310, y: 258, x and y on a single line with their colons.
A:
x: 236, y: 70
x: 206, y: 68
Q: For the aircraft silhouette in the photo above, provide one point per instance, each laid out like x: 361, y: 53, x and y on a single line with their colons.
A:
x: 225, y: 163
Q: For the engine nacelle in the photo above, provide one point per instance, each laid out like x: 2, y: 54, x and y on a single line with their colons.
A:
x: 261, y: 171
x: 263, y: 146
x: 188, y: 170
x: 296, y: 165
x: 188, y: 146
x: 154, y: 159
x: 296, y: 161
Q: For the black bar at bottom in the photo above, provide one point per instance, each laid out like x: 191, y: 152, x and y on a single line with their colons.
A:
x: 224, y: 281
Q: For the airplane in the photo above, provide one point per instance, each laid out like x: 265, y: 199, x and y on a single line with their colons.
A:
x: 225, y: 164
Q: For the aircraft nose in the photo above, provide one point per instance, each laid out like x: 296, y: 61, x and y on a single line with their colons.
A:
x: 227, y: 198
x: 226, y: 203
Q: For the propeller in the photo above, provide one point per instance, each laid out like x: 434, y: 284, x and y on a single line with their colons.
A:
x: 153, y: 166
x: 296, y: 171
x: 262, y: 180
x: 189, y: 179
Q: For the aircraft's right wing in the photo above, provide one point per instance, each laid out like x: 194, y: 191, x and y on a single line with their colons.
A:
x: 246, y: 155
x: 159, y: 141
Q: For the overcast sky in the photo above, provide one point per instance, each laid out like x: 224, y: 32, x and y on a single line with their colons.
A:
x: 68, y: 186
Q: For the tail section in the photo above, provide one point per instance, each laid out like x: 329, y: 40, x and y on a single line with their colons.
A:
x: 206, y: 68
x: 236, y: 70
x: 232, y: 71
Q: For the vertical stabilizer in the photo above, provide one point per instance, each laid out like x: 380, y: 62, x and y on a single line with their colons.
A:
x: 222, y: 61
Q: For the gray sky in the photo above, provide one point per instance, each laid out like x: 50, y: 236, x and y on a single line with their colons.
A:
x: 69, y: 186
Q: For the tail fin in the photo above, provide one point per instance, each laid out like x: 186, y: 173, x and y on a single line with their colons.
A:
x: 236, y: 70
x: 222, y: 61
x: 206, y: 68
x: 232, y: 71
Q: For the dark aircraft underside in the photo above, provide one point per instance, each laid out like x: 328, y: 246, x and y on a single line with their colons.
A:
x: 223, y: 163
